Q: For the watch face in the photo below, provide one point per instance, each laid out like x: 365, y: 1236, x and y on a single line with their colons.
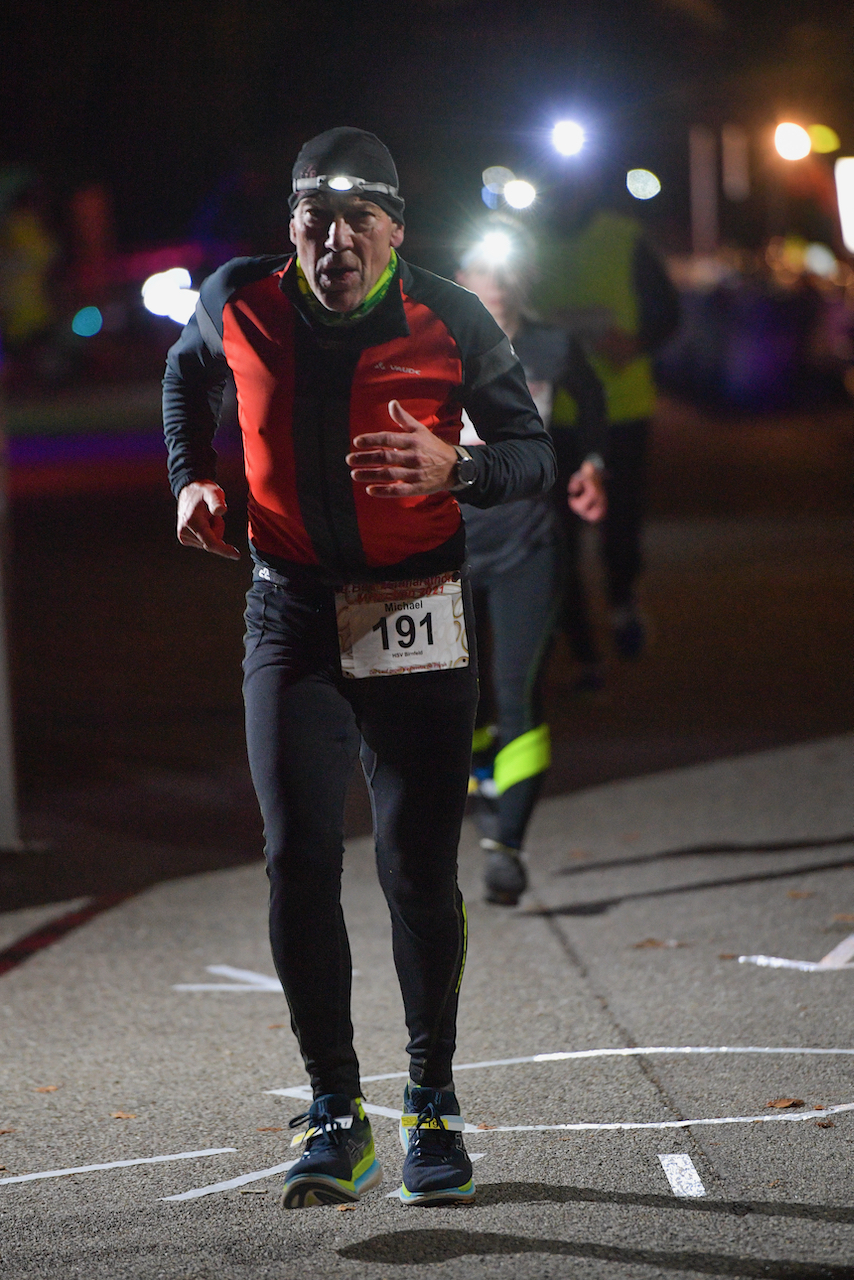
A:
x: 466, y: 471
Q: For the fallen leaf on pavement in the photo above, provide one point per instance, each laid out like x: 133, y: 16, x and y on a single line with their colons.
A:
x: 775, y: 1183
x: 346, y: 1208
x: 8, y: 1130
x: 269, y: 1128
x: 727, y: 955
x: 659, y: 942
x: 786, y: 1102
x: 578, y: 853
x: 486, y: 1126
x: 800, y: 893
x: 824, y: 1124
x: 48, y: 1088
x: 123, y: 1115
x: 843, y: 917
x: 276, y: 1026
x: 819, y: 1107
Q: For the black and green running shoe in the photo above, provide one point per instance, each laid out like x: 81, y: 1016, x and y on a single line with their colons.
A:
x: 437, y: 1169
x: 339, y: 1163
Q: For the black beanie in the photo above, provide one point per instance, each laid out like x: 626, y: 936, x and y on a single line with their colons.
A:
x: 348, y: 153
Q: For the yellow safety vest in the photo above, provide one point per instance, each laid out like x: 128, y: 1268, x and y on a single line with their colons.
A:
x: 594, y: 269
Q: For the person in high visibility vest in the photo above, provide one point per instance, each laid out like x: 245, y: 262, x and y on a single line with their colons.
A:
x: 515, y: 561
x: 609, y: 287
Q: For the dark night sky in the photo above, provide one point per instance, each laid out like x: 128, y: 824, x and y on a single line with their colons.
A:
x: 160, y: 100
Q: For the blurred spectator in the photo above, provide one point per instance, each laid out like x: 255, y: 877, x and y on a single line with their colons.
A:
x: 27, y: 254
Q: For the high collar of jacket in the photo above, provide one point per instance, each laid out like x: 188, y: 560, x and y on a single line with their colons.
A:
x: 384, y: 323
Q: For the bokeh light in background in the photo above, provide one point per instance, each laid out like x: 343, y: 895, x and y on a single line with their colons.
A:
x: 823, y: 139
x: 820, y: 260
x: 520, y: 194
x: 642, y: 184
x: 792, y: 141
x: 87, y: 322
x: 843, y: 171
x: 567, y: 137
x: 496, y: 177
x: 168, y: 293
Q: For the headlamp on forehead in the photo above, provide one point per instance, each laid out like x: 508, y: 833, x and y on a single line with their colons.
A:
x: 343, y: 182
x: 497, y: 248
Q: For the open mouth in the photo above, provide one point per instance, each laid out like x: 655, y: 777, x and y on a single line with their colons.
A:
x: 338, y: 274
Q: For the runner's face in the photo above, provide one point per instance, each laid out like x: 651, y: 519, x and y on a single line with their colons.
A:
x: 494, y: 291
x: 344, y: 245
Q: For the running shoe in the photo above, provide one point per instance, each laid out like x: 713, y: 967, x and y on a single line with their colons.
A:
x: 437, y: 1169
x: 504, y: 877
x: 339, y: 1163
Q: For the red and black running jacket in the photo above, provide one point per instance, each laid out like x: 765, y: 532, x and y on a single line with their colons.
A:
x: 305, y: 390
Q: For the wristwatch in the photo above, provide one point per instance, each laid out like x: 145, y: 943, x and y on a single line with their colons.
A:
x: 465, y: 471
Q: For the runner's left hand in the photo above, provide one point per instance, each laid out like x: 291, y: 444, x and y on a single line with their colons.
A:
x: 586, y: 493
x: 398, y: 464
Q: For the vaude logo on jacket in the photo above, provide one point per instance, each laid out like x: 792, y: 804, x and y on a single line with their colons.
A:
x: 396, y: 368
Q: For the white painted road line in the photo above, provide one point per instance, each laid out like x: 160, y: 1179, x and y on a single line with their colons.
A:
x: 634, y: 1052
x: 672, y: 1124
x: 247, y: 980
x: 836, y: 959
x: 303, y: 1094
x: 682, y: 1176
x: 118, y: 1164
x: 232, y: 1182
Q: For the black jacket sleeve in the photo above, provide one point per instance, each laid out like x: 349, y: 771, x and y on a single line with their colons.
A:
x: 519, y: 459
x: 580, y: 380
x: 192, y: 394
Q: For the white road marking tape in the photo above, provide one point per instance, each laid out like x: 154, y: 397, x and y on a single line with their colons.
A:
x: 682, y: 1176
x: 232, y: 1182
x: 671, y: 1124
x: 644, y: 1051
x: 838, y: 958
x: 248, y: 980
x: 118, y: 1164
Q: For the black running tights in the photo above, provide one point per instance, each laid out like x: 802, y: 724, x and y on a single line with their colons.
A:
x: 305, y: 727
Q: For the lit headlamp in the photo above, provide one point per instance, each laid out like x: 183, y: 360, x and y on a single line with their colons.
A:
x: 343, y: 182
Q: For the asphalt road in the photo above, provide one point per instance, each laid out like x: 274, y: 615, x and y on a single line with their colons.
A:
x: 644, y: 894
x: 700, y: 809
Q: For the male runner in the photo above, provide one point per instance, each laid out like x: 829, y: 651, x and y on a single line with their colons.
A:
x: 352, y: 371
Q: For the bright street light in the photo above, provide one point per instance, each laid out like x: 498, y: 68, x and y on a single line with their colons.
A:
x: 792, y: 142
x: 519, y: 194
x: 567, y: 137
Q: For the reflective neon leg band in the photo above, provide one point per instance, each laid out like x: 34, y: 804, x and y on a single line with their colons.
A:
x: 524, y: 757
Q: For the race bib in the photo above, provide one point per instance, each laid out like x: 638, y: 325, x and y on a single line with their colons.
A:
x: 398, y: 628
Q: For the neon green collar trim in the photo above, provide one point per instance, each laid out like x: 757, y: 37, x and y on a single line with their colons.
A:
x: 373, y: 299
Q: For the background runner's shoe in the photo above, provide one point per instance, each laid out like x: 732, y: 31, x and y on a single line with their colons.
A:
x: 339, y: 1163
x: 437, y: 1169
x: 504, y: 876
